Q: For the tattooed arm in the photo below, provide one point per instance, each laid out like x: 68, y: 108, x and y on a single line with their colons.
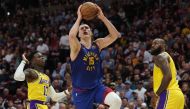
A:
x: 162, y: 61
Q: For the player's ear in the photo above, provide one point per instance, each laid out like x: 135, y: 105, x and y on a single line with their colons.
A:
x: 92, y: 35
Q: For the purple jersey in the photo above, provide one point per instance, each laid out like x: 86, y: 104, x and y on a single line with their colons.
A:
x: 86, y: 68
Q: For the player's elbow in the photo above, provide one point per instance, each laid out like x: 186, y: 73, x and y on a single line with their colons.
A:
x: 116, y: 35
x: 116, y: 102
x: 19, y: 77
x: 54, y: 98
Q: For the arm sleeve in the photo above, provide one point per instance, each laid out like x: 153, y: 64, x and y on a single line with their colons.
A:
x: 19, y: 73
x: 56, y: 106
x: 57, y: 96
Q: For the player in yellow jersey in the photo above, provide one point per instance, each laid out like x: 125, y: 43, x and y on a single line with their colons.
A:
x: 39, y: 86
x: 165, y: 83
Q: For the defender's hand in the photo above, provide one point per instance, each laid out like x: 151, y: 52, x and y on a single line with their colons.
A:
x: 70, y: 89
x: 69, y: 86
x: 101, y: 106
x: 24, y: 58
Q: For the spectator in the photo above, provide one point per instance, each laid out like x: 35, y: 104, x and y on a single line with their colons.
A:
x: 9, y: 55
x: 64, y: 46
x: 57, y: 84
x: 58, y: 71
x: 108, y: 62
x: 186, y: 91
x: 144, y: 106
x: 128, y: 90
x: 131, y: 105
x: 140, y: 104
x: 2, y: 103
x: 147, y: 57
x: 11, y: 105
x: 140, y: 90
x: 124, y: 103
x: 42, y: 47
x: 119, y: 84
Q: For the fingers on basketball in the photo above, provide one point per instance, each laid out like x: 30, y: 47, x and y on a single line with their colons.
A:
x: 89, y: 10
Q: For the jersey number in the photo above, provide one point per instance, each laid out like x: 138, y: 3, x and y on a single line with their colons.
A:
x: 45, y: 90
x: 91, y: 60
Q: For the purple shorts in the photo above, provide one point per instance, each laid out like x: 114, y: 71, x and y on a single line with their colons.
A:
x: 33, y: 104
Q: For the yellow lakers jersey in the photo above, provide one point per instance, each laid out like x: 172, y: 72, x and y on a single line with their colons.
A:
x: 157, y: 76
x: 38, y: 89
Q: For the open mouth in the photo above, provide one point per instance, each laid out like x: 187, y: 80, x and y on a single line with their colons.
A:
x: 85, y: 33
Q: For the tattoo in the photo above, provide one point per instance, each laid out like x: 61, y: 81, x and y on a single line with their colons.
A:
x: 162, y: 61
x: 30, y: 75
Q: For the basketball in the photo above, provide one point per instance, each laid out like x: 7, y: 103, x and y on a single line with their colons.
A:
x: 89, y: 11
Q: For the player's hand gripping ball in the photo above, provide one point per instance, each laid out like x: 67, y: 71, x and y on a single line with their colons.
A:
x: 89, y: 10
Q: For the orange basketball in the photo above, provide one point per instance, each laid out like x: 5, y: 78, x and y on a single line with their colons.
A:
x: 89, y: 10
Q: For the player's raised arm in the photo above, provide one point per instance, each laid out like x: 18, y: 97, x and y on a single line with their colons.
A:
x: 73, y: 41
x: 19, y: 73
x: 28, y: 74
x: 113, y: 33
x: 162, y: 61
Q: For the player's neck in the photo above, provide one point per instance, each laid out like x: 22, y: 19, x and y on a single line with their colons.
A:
x: 86, y: 43
x: 161, y: 53
x: 40, y: 69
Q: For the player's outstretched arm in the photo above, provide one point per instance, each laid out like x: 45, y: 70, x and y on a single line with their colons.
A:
x: 28, y: 74
x: 162, y: 61
x: 113, y: 33
x: 73, y: 41
x: 19, y: 74
x: 57, y: 96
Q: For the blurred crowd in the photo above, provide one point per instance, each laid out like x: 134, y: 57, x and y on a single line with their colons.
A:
x: 127, y: 64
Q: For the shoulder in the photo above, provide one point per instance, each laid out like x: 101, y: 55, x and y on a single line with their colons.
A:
x: 161, y: 58
x: 144, y: 90
x: 45, y: 45
x: 31, y: 74
x: 29, y: 70
x: 96, y: 45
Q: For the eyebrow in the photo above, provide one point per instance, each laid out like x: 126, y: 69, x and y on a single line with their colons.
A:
x: 84, y: 26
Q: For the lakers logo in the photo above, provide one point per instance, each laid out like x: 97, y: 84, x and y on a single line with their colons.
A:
x: 90, y: 59
x: 42, y: 81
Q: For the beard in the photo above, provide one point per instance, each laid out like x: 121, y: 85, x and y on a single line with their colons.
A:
x: 156, y: 51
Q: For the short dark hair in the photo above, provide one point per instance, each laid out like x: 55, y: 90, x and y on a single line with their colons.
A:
x: 31, y: 55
